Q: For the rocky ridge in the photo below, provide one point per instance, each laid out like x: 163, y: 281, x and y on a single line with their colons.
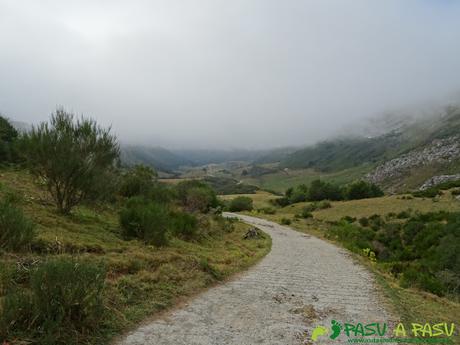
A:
x: 438, y: 151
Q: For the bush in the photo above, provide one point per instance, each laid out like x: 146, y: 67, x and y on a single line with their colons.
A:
x: 145, y: 220
x: 363, y: 221
x: 267, y: 210
x: 240, y: 203
x: 65, y: 302
x: 282, y: 202
x: 16, y: 231
x: 285, y: 221
x: 184, y: 225
x: 8, y: 137
x: 362, y: 190
x: 305, y: 213
x: 137, y: 181
x: 320, y: 190
x: 403, y: 214
x: 69, y: 156
x: 196, y: 195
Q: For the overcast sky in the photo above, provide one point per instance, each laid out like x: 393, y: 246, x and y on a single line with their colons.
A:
x: 226, y: 73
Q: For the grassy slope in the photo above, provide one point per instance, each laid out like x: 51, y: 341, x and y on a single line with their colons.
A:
x: 410, y: 304
x: 142, y: 279
x: 282, y: 180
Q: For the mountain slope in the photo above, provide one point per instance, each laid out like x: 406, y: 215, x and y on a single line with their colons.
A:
x: 157, y: 157
x: 343, y: 153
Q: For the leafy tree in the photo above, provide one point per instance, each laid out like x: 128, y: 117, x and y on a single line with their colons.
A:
x: 8, y: 136
x: 69, y: 155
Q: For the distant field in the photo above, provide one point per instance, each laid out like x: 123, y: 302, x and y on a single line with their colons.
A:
x: 282, y: 180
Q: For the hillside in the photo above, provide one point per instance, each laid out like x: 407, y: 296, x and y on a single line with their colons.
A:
x: 157, y: 157
x: 141, y: 279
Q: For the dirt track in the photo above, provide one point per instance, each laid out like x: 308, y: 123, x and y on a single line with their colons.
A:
x: 303, y: 282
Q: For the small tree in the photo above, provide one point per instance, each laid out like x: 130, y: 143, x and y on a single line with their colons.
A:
x: 69, y: 155
x: 8, y: 136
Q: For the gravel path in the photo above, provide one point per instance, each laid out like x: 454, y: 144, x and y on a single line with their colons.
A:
x: 301, y: 283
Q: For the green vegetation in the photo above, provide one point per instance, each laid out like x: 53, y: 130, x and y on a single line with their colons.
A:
x: 320, y: 190
x: 240, y: 203
x: 343, y: 154
x: 8, y: 138
x: 225, y: 185
x: 16, y: 231
x: 93, y: 270
x: 71, y: 157
x: 421, y: 251
x: 64, y: 300
x: 378, y: 230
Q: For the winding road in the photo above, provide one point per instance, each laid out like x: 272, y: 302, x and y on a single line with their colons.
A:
x: 303, y: 282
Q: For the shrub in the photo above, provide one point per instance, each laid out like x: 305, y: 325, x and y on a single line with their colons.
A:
x: 267, y: 210
x: 184, y: 225
x: 456, y: 192
x: 196, y: 195
x: 363, y: 221
x: 282, y: 202
x: 403, y: 215
x: 240, y: 203
x: 320, y: 190
x: 145, y: 220
x: 362, y: 190
x: 349, y: 219
x: 65, y: 302
x: 8, y: 136
x: 16, y: 231
x: 69, y: 156
x: 285, y: 221
x: 137, y: 181
x: 305, y: 213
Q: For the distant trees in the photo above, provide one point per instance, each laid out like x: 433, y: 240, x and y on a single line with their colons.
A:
x: 321, y: 190
x: 8, y: 136
x: 70, y: 155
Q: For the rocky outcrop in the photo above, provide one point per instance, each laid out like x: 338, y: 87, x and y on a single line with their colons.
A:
x: 435, y: 180
x: 438, y: 151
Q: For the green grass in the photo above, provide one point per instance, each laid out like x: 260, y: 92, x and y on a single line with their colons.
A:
x: 142, y: 280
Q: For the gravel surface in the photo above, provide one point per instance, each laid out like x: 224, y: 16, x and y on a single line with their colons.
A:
x: 303, y: 282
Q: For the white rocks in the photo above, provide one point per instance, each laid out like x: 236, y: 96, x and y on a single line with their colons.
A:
x: 435, y: 180
x: 439, y: 151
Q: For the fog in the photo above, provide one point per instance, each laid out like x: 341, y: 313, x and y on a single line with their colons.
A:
x: 227, y: 74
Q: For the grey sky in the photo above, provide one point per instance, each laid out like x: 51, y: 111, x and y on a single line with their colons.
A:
x: 220, y: 73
